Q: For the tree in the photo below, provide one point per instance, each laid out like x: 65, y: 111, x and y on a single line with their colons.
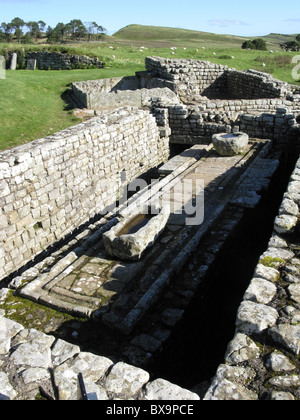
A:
x: 7, y: 30
x: 76, y: 29
x: 57, y: 34
x: 248, y: 45
x: 36, y: 28
x: 290, y: 46
x: 93, y: 30
x: 256, y: 44
x: 17, y: 24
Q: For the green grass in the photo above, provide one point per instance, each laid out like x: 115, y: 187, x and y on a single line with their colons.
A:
x: 32, y: 103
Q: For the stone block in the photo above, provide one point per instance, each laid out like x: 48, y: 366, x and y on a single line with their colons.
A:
x: 31, y: 64
x: 255, y: 318
x: 13, y: 64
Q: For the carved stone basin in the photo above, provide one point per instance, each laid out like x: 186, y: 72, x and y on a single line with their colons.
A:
x: 230, y: 144
x: 135, y: 233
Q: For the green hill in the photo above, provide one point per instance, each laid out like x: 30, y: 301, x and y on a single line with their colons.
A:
x: 158, y: 36
x: 279, y: 38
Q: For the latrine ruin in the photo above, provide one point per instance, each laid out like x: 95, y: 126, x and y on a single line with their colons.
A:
x: 60, y: 196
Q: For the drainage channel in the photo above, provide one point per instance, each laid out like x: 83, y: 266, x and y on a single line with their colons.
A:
x: 198, y: 344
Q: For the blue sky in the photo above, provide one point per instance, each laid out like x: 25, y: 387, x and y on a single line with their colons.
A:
x: 237, y: 17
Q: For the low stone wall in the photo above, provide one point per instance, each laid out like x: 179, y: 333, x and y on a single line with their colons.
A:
x: 253, y: 84
x: 52, y: 186
x: 138, y: 91
x: 57, y: 61
x: 274, y: 119
x: 262, y: 361
x: 34, y: 364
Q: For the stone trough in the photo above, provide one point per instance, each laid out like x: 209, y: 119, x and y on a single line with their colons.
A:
x: 135, y: 233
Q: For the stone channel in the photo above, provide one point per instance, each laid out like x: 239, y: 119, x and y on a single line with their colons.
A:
x: 87, y: 283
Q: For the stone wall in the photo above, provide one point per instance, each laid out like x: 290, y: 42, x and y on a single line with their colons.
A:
x: 192, y: 78
x: 58, y: 61
x: 252, y: 84
x: 274, y: 119
x: 139, y: 91
x: 262, y: 361
x: 52, y: 186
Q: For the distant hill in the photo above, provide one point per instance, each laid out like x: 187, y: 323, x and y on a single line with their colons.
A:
x: 279, y: 38
x: 158, y: 36
x: 164, y: 37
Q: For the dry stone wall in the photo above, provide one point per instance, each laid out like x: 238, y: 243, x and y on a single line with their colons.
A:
x: 58, y: 61
x: 52, y: 186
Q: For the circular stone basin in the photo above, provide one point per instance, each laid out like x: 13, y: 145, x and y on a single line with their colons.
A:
x: 230, y: 144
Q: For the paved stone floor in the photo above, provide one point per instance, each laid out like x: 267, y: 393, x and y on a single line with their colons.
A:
x: 88, y: 283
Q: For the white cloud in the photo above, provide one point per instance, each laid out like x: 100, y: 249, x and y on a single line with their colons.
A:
x: 223, y: 23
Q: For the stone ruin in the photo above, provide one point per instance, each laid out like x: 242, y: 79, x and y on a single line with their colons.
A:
x: 56, y: 208
x: 46, y: 60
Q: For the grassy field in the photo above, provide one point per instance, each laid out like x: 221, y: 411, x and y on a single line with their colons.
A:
x: 33, y: 103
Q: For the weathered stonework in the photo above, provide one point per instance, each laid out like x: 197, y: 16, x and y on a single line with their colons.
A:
x: 27, y: 357
x: 53, y: 185
x: 46, y: 60
x: 192, y: 78
x: 266, y: 316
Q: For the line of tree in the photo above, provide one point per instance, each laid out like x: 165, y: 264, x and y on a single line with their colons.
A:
x: 31, y: 32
